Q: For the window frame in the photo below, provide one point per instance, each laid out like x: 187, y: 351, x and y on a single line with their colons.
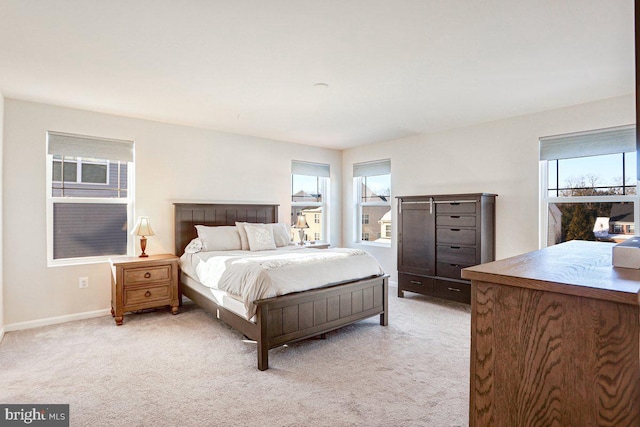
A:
x: 546, y: 200
x: 51, y: 200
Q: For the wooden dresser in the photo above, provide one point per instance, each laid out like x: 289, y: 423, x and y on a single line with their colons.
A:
x: 555, y: 339
x: 438, y: 235
x: 140, y: 283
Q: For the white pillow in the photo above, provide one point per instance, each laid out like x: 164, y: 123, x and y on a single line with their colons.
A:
x: 281, y: 234
x: 260, y: 237
x: 243, y: 235
x: 223, y: 238
x: 194, y: 246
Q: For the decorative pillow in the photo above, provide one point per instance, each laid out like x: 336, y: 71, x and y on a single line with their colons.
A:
x: 281, y: 234
x: 223, y: 238
x: 194, y: 246
x: 260, y: 237
x: 243, y: 235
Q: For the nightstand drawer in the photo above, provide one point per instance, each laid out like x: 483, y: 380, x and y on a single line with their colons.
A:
x: 147, y: 294
x: 133, y: 276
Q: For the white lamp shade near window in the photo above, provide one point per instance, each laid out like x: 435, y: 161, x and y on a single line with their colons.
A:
x: 301, y: 222
x: 143, y: 227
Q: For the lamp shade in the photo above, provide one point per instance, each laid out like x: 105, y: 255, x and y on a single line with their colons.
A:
x: 142, y: 227
x: 301, y: 222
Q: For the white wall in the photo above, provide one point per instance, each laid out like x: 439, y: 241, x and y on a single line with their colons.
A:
x: 499, y: 157
x: 173, y: 163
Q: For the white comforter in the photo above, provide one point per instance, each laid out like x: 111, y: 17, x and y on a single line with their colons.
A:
x: 256, y: 275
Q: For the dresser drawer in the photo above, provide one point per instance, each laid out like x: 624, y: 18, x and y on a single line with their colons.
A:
x: 450, y: 270
x: 459, y: 236
x: 454, y: 291
x: 147, y: 294
x: 456, y: 220
x: 454, y: 208
x: 456, y: 254
x: 134, y: 276
x: 419, y: 284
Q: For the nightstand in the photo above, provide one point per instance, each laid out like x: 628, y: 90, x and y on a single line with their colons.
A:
x: 317, y: 244
x: 141, y: 283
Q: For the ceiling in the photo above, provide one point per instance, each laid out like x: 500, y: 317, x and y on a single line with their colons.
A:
x: 393, y: 68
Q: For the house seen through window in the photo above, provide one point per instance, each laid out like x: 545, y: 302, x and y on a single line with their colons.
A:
x: 309, y: 184
x: 89, y: 197
x: 372, y: 189
x: 589, y: 183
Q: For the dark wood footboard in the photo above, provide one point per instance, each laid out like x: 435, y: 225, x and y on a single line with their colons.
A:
x: 289, y: 318
x: 294, y: 317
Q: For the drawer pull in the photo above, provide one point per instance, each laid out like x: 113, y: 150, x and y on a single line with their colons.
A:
x: 454, y: 289
x: 454, y: 265
x: 455, y: 229
x: 455, y: 216
x: 455, y: 247
x: 415, y: 282
x: 147, y: 275
x: 147, y: 294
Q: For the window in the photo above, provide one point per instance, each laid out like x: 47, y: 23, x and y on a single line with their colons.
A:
x: 79, y: 170
x: 372, y: 190
x: 588, y: 186
x: 309, y: 184
x: 88, y: 198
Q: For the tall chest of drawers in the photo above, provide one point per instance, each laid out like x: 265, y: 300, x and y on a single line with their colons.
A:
x: 438, y: 236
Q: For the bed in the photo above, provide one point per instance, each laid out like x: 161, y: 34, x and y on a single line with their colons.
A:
x: 281, y: 319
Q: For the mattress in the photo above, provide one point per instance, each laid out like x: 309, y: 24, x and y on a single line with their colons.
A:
x: 221, y: 298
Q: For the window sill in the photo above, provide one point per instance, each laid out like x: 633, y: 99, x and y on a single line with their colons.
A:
x: 80, y: 261
x: 376, y: 244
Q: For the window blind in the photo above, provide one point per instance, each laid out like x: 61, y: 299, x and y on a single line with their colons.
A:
x: 620, y: 139
x: 378, y: 167
x: 309, y: 169
x: 89, y: 147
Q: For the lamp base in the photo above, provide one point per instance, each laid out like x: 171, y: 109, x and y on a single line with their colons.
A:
x: 143, y: 246
x: 301, y: 236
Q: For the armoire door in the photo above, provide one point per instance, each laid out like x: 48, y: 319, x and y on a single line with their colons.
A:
x: 416, y: 237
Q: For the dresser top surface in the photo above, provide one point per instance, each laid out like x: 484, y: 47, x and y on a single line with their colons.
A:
x: 577, y: 268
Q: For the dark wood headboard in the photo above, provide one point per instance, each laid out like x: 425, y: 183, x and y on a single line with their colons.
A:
x: 188, y: 215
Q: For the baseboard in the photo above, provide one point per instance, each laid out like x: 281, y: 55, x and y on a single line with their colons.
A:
x: 1, y: 333
x: 55, y: 320
x: 393, y: 284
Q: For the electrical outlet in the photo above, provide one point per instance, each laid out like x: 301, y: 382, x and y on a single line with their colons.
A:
x: 83, y: 282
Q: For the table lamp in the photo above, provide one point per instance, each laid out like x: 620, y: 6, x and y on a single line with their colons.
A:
x: 301, y: 224
x: 143, y: 229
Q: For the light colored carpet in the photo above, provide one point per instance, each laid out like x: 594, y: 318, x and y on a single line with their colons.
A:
x: 192, y: 370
